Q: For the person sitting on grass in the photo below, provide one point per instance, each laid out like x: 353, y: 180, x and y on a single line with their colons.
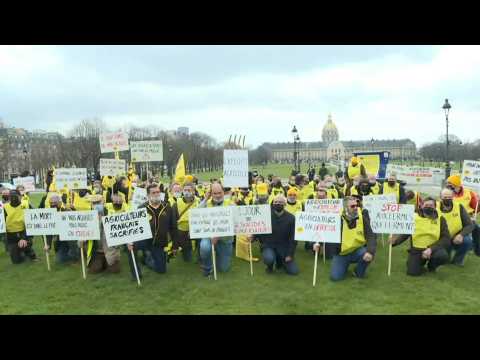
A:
x: 358, y: 242
x: 428, y: 243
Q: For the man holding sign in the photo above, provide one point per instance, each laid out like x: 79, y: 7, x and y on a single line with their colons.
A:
x: 429, y: 241
x: 278, y: 248
x: 358, y: 242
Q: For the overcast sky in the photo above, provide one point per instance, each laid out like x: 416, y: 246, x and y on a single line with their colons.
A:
x: 383, y: 92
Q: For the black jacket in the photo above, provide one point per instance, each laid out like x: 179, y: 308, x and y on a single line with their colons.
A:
x: 282, y: 237
x: 163, y: 222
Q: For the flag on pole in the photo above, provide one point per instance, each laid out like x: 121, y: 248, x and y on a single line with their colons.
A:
x: 180, y: 170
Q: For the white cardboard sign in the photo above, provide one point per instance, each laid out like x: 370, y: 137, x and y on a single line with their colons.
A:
x: 324, y: 205
x: 471, y: 175
x: 211, y: 222
x: 139, y: 197
x: 318, y: 227
x: 141, y: 151
x: 78, y: 225
x: 74, y: 178
x: 254, y: 219
x: 393, y: 219
x: 28, y: 182
x: 235, y: 168
x: 417, y: 175
x: 113, y: 141
x: 40, y: 222
x: 112, y: 167
x: 127, y: 227
x: 370, y: 202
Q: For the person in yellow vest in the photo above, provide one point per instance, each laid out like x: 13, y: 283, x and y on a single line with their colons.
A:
x: 332, y: 191
x: 25, y: 198
x: 391, y: 186
x: 413, y: 198
x: 108, y: 182
x: 100, y: 257
x: 428, y: 243
x: 174, y: 193
x: 362, y: 189
x: 341, y: 186
x: 277, y: 187
x: 358, y: 242
x: 293, y: 206
x: 375, y: 187
x: 355, y: 168
x: 244, y: 197
x: 242, y: 244
x: 459, y: 224
x: 19, y: 244
x: 182, y: 208
x: 467, y: 198
x: 200, y: 189
x: 80, y: 200
x: 305, y: 189
x: 65, y: 251
x: 262, y: 197
x: 224, y: 245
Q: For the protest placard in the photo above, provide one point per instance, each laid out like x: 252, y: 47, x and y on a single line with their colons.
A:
x: 253, y: 219
x: 235, y: 168
x: 416, y: 175
x: 393, y: 219
x: 370, y: 202
x: 471, y: 175
x: 78, y: 225
x: 73, y: 178
x: 324, y: 205
x: 139, y: 197
x: 112, y: 167
x: 41, y: 222
x: 127, y: 227
x: 211, y: 222
x: 28, y: 183
x: 141, y: 151
x: 2, y: 219
x: 113, y: 141
x: 318, y: 227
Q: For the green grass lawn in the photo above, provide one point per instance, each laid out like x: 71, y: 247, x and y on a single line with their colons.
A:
x: 30, y: 289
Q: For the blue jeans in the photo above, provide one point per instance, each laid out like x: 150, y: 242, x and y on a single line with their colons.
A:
x: 273, y: 256
x: 223, y: 254
x: 341, y: 263
x: 66, y: 251
x: 461, y: 249
x: 155, y: 258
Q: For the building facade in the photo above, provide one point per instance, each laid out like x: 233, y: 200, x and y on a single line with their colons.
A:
x: 331, y: 148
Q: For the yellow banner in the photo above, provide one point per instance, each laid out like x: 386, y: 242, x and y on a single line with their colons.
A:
x: 371, y: 163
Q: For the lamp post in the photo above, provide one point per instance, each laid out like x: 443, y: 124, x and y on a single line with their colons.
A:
x: 446, y: 107
x: 295, y: 150
x: 372, y: 142
x: 25, y: 154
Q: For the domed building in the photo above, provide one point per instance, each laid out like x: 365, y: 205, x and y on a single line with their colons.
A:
x: 331, y: 148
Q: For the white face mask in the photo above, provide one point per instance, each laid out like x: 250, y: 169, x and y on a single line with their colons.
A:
x: 177, y: 195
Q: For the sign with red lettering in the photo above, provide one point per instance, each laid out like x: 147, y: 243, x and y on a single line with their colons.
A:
x: 113, y: 141
x: 318, y: 227
x: 254, y: 219
x: 78, y: 225
x: 393, y: 219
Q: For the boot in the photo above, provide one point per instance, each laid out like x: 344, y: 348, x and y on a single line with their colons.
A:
x: 97, y: 264
x: 114, y: 268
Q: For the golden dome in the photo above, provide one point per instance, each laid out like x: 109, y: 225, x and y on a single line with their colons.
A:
x: 330, y: 131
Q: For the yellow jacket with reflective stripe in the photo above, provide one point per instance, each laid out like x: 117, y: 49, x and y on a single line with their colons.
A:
x: 427, y: 232
x: 182, y: 222
x: 453, y: 219
x: 352, y: 239
x: 465, y: 201
x: 81, y: 204
x: 15, y: 220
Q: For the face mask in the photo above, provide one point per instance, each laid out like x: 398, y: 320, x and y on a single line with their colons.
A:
x: 82, y: 193
x: 155, y: 199
x: 329, y: 184
x: 355, y: 183
x: 177, y: 195
x: 341, y: 182
x: 450, y: 187
x: 15, y: 201
x: 217, y: 201
x: 364, y: 188
x: 99, y: 208
x: 5, y: 198
x: 262, y: 199
x: 245, y: 193
x: 278, y: 207
x: 291, y: 200
x: 447, y: 202
x: 391, y: 183
x: 428, y: 211
x: 187, y: 195
x: 117, y: 206
x: 278, y: 184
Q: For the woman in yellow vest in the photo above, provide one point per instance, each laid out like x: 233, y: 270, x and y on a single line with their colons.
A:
x: 181, y: 208
x: 460, y: 226
x: 358, y: 242
x: 19, y: 244
x: 428, y: 243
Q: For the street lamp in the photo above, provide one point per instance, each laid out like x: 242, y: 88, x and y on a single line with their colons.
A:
x: 25, y: 153
x: 295, y: 150
x: 372, y: 142
x: 446, y: 107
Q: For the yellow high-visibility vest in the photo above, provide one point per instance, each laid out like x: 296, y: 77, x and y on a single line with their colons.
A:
x: 427, y: 232
x: 352, y: 239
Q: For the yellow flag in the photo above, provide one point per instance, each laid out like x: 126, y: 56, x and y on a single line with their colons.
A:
x: 180, y: 170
